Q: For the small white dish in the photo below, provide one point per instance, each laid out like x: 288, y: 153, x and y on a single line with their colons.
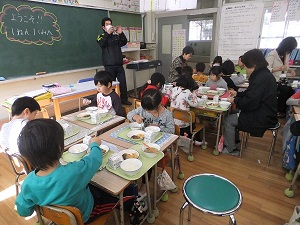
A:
x: 136, y: 135
x: 212, y: 104
x: 130, y: 154
x: 105, y: 149
x: 135, y: 126
x: 224, y: 104
x: 92, y: 108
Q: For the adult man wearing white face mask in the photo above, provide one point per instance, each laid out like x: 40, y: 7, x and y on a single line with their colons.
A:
x: 111, y: 42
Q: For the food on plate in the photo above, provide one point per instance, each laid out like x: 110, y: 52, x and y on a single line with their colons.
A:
x: 130, y: 155
x: 84, y: 116
x: 137, y: 136
x: 212, y: 104
x: 151, y: 150
x: 213, y: 92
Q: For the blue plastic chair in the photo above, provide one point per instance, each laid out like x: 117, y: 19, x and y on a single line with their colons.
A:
x: 212, y: 194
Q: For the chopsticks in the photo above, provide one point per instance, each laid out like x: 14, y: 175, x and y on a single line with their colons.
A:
x: 150, y: 148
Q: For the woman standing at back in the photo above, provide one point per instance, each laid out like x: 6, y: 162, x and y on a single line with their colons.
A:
x: 278, y: 60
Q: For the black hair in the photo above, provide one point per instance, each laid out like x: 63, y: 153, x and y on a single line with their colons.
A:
x: 188, y: 50
x: 103, y: 78
x: 187, y: 71
x: 151, y: 99
x: 185, y: 82
x: 155, y: 79
x: 22, y: 103
x: 216, y: 70
x: 200, y: 67
x: 228, y: 67
x: 218, y: 59
x: 254, y: 59
x: 106, y: 19
x: 41, y: 142
x: 286, y: 46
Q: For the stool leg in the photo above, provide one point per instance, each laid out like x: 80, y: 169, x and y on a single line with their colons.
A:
x: 189, y: 212
x: 181, y: 213
x: 242, y: 143
x: 274, y: 133
x: 232, y: 220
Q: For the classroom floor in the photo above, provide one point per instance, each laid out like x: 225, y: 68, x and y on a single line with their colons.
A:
x: 262, y: 188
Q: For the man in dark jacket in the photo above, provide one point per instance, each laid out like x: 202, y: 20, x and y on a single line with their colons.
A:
x: 111, y: 42
x: 257, y: 106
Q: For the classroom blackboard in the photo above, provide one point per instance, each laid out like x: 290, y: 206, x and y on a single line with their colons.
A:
x: 36, y: 37
x: 125, y: 19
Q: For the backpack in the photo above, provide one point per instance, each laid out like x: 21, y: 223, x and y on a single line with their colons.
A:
x: 289, y: 154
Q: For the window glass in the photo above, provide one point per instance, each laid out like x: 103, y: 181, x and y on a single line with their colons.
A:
x: 200, y: 30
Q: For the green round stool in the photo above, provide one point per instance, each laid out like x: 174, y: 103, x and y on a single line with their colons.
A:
x: 211, y: 193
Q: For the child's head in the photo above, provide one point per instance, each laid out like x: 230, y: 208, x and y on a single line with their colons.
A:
x: 217, y: 61
x: 187, y: 52
x: 103, y: 81
x: 185, y: 82
x: 228, y: 67
x: 26, y: 107
x: 200, y: 67
x: 187, y: 71
x: 240, y: 63
x: 158, y: 80
x: 215, y: 73
x: 151, y: 99
x: 41, y: 142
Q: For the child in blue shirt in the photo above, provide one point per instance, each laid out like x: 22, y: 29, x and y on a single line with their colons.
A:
x: 41, y: 142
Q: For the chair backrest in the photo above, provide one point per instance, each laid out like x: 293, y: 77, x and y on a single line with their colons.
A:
x: 185, y: 116
x: 19, y: 164
x: 69, y: 215
x: 136, y: 103
x: 62, y: 215
x: 177, y: 130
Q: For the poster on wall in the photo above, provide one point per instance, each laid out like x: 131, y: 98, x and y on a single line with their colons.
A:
x: 178, y: 42
x: 239, y: 29
x: 293, y: 13
x: 278, y: 11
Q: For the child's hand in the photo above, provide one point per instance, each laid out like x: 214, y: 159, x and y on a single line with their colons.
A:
x: 230, y: 99
x: 232, y: 92
x: 85, y: 101
x: 138, y: 118
x: 96, y: 139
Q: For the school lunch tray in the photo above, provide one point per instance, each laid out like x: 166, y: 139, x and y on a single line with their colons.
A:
x: 100, y: 121
x: 122, y: 135
x: 147, y: 164
x: 75, y: 130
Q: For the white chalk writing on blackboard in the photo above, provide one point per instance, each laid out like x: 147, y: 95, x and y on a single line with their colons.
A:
x: 28, y: 25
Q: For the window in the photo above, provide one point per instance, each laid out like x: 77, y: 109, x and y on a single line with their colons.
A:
x: 273, y: 32
x: 200, y: 30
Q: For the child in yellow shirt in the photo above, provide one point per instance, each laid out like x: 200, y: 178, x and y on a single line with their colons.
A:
x: 200, y: 77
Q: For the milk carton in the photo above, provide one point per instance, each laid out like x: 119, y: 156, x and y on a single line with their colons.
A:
x: 151, y: 133
x: 114, y: 161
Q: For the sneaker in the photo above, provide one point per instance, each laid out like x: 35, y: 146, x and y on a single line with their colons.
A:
x: 141, y: 196
x: 198, y: 143
x: 234, y: 152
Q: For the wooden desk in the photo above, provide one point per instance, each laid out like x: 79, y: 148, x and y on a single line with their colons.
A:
x: 79, y: 90
x: 212, y: 113
x: 113, y: 185
x: 77, y: 137
x: 100, y: 128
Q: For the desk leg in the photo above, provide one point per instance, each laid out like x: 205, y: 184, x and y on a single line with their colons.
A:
x: 172, y: 160
x: 56, y: 109
x: 121, y: 208
x: 155, y: 209
x: 134, y: 84
x: 216, y: 151
x: 151, y: 217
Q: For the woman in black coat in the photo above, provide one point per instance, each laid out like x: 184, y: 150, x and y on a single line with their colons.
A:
x: 257, y: 105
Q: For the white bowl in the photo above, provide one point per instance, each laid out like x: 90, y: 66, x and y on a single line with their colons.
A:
x: 102, y: 112
x: 224, y: 99
x: 224, y: 104
x: 131, y: 166
x: 92, y: 108
x: 205, y: 89
x: 153, y: 129
x: 151, y: 154
x: 221, y: 90
x: 135, y: 126
x: 78, y: 150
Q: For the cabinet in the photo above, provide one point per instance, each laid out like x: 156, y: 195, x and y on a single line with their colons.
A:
x: 134, y: 54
